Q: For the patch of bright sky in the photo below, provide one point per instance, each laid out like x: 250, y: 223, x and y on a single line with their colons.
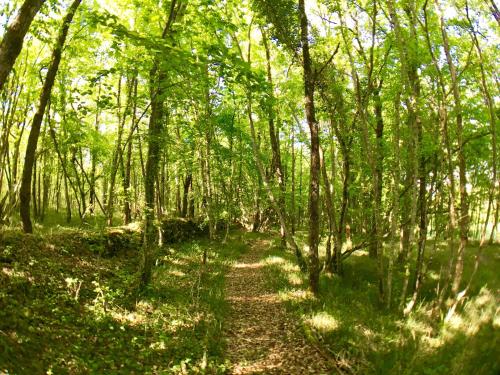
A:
x: 118, y: 8
x: 6, y: 10
x: 314, y: 14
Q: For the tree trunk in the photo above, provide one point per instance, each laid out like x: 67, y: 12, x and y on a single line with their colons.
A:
x: 276, y: 165
x: 292, y: 203
x: 409, y: 72
x: 152, y: 161
x: 93, y: 155
x: 37, y: 120
x: 157, y: 92
x: 13, y: 39
x: 464, y: 204
x: 127, y: 211
x: 185, y: 194
x: 395, y: 198
x: 378, y: 183
x: 315, y: 157
x: 494, y: 193
x: 118, y: 149
x: 329, y: 209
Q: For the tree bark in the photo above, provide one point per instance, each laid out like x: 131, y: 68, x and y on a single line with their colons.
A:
x: 185, y: 194
x: 12, y: 42
x: 93, y: 155
x: 463, y: 221
x: 157, y: 93
x: 315, y: 156
x: 152, y: 161
x: 37, y: 120
x: 494, y: 193
x: 117, y: 154
x: 276, y: 165
x: 127, y: 211
x: 409, y: 72
x: 395, y: 199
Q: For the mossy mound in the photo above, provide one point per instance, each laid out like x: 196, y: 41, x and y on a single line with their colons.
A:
x: 179, y: 230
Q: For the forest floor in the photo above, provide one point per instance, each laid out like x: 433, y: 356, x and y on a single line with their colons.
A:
x: 67, y: 307
x: 262, y: 336
x: 67, y: 304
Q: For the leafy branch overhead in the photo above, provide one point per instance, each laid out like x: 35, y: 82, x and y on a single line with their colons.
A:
x: 181, y: 172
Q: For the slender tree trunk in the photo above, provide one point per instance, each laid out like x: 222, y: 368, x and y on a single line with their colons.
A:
x: 276, y: 165
x: 301, y: 210
x: 15, y: 161
x: 292, y: 203
x: 13, y: 39
x: 409, y: 72
x: 63, y: 161
x: 92, y: 192
x: 464, y: 201
x: 37, y: 120
x: 185, y: 194
x: 395, y: 198
x: 157, y: 80
x: 152, y: 161
x: 495, y: 222
x: 328, y: 188
x: 314, y: 208
x: 34, y: 189
x: 117, y: 151
x: 127, y: 211
x: 495, y: 11
x: 345, y: 146
x: 379, y: 160
x: 494, y: 193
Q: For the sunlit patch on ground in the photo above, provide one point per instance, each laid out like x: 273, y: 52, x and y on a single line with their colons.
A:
x: 417, y: 327
x: 177, y: 273
x: 282, y: 263
x: 178, y: 261
x: 479, y: 310
x: 263, y: 298
x: 323, y: 322
x: 295, y: 279
x: 360, y: 253
x: 128, y: 317
x: 290, y: 267
x: 274, y: 260
x: 247, y: 265
x: 296, y: 295
x: 17, y: 274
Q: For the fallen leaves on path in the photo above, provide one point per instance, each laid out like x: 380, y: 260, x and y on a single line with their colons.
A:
x: 262, y: 337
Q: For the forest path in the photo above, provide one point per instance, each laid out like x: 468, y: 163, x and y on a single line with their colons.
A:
x: 262, y: 337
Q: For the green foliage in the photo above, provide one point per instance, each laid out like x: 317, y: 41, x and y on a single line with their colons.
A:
x: 284, y: 17
x: 69, y: 310
x: 70, y: 291
x: 347, y: 321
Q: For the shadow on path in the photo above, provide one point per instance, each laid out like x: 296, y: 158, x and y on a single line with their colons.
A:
x: 262, y: 338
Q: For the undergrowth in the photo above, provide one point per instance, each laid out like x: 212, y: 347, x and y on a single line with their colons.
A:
x: 66, y: 307
x: 347, y: 321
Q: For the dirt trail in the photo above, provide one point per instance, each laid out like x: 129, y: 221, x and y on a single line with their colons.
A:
x: 262, y: 338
